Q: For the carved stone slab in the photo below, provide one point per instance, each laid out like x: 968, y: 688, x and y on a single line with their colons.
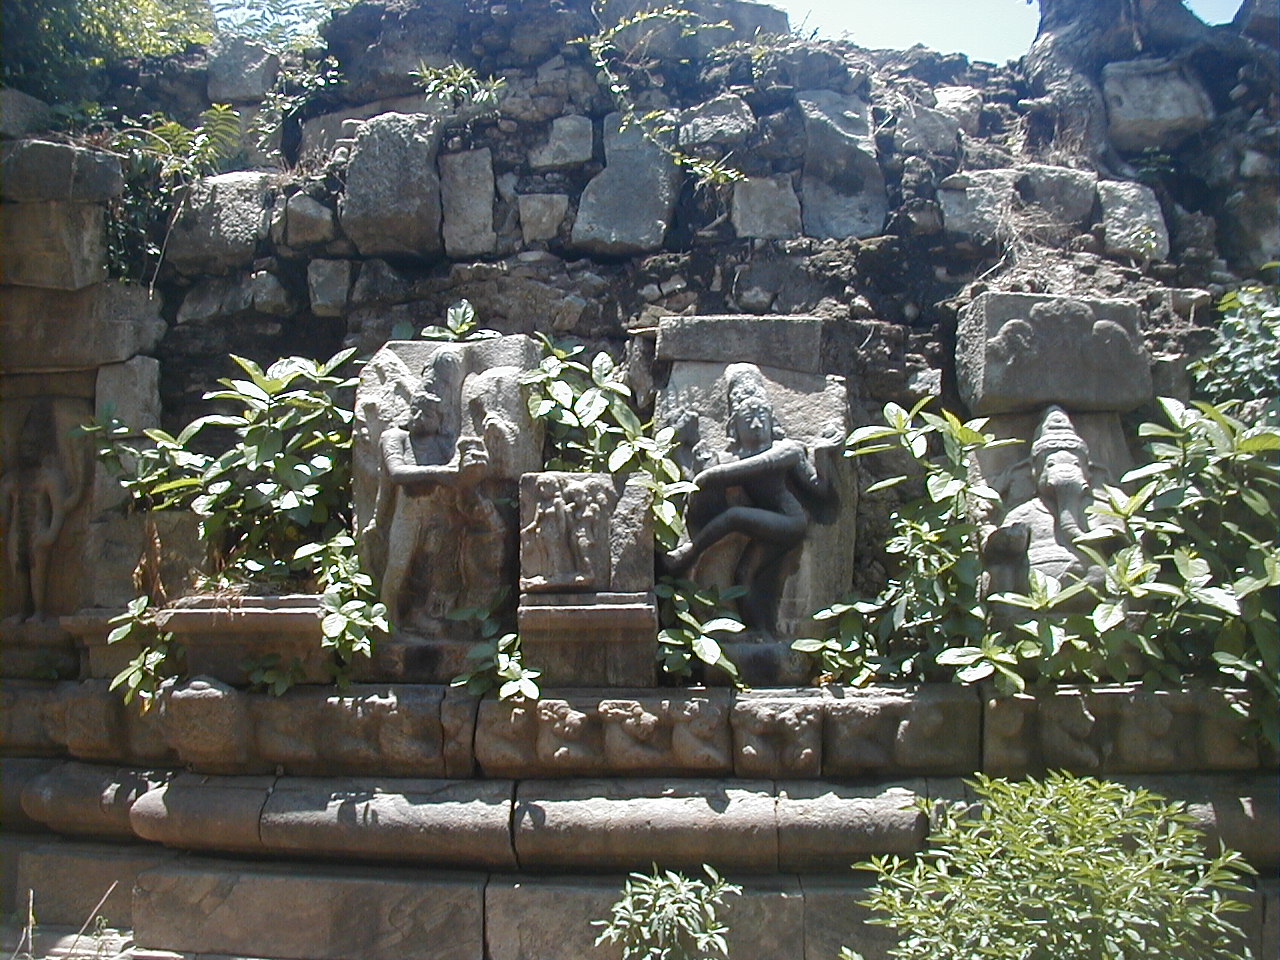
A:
x: 807, y: 409
x: 1113, y: 729
x: 442, y: 436
x: 930, y: 728
x: 1018, y: 352
x: 599, y: 732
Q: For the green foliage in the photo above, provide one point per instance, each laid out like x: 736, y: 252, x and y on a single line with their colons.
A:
x: 274, y: 504
x: 690, y: 616
x: 460, y: 324
x: 458, y: 88
x: 1245, y: 364
x: 499, y: 660
x: 666, y: 916
x: 161, y: 160
x: 1062, y: 869
x: 159, y: 656
x: 1189, y: 559
x: 277, y: 24
x: 617, y: 72
x: 934, y: 600
x: 52, y: 48
x: 591, y: 428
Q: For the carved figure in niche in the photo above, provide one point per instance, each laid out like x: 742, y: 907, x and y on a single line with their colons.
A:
x: 565, y: 545
x: 1039, y: 534
x: 446, y: 548
x: 631, y: 735
x: 764, y: 488
x: 37, y: 494
x: 700, y: 736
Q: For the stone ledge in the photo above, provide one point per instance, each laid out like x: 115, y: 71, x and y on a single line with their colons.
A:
x: 586, y: 825
x: 419, y: 730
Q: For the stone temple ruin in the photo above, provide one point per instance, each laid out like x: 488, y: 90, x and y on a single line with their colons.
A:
x: 897, y: 234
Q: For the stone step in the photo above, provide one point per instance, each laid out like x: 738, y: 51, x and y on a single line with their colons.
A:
x: 210, y: 908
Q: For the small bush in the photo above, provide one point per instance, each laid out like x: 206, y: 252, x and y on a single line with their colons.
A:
x: 667, y: 916
x: 1062, y: 869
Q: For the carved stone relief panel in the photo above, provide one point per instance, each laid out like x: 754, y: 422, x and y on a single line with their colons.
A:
x: 775, y: 508
x: 443, y: 436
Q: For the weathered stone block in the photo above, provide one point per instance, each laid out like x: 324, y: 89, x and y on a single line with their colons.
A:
x: 925, y: 729
x: 777, y: 733
x: 328, y: 286
x: 541, y: 215
x: 308, y: 222
x: 765, y: 921
x: 439, y: 822
x: 130, y: 392
x: 1022, y: 352
x: 40, y: 170
x: 467, y: 194
x: 569, y: 143
x: 21, y: 114
x: 542, y: 918
x: 270, y: 295
x: 978, y: 203
x: 392, y: 201
x: 835, y: 916
x: 95, y: 724
x: 1153, y: 104
x: 790, y: 343
x: 1132, y: 223
x: 627, y: 207
x: 241, y: 71
x: 16, y: 775
x: 207, y: 723
x: 725, y: 119
x: 766, y: 207
x: 628, y: 825
x: 22, y: 727
x: 334, y: 913
x: 1066, y: 194
x: 70, y: 880
x: 217, y: 298
x: 593, y: 639
x: 47, y: 329
x: 56, y: 245
x: 196, y: 812
x: 224, y: 220
x: 842, y: 187
x: 921, y: 131
x: 827, y: 826
x: 963, y: 104
x: 86, y: 799
x: 585, y: 732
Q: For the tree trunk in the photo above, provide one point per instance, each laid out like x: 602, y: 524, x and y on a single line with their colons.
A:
x: 1077, y: 38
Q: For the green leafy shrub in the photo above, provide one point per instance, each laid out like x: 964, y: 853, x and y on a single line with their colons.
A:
x: 498, y: 656
x: 274, y: 505
x: 666, y: 916
x: 460, y: 89
x: 690, y: 616
x: 52, y: 48
x: 460, y: 324
x: 933, y: 601
x: 1244, y: 365
x: 159, y: 656
x: 277, y: 24
x: 1189, y: 559
x: 1062, y: 869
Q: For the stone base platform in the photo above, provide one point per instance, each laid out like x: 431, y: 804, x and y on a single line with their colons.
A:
x: 183, y: 907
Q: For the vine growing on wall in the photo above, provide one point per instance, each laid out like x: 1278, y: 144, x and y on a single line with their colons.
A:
x: 617, y: 68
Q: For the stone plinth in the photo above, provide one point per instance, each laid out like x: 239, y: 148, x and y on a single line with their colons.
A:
x: 591, y: 640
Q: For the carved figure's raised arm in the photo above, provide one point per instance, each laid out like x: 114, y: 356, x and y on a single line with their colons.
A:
x: 783, y: 456
x: 401, y: 468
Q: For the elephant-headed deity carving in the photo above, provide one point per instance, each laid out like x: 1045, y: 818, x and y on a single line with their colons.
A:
x: 1041, y: 533
x: 763, y: 485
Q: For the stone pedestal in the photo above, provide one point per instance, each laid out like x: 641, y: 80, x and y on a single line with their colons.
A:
x: 591, y: 639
